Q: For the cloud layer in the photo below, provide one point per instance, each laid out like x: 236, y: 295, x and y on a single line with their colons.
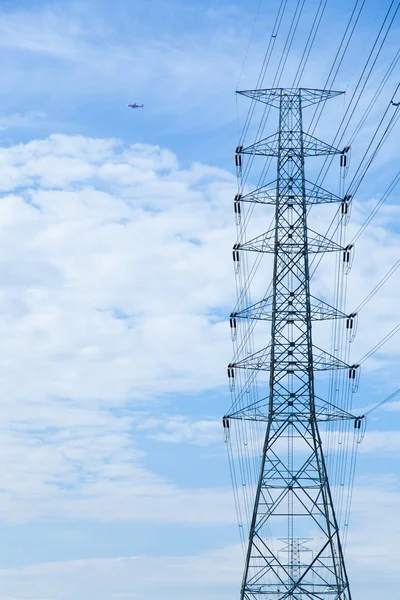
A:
x: 116, y: 282
x: 108, y: 300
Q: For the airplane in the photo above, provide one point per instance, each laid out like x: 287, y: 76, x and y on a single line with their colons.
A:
x: 135, y: 105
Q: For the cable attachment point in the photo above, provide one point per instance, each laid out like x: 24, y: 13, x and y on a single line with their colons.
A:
x: 237, y: 207
x: 360, y: 424
x: 238, y: 158
x: 232, y: 323
x: 351, y: 326
x: 348, y: 257
x: 226, y: 425
x: 345, y: 208
x: 354, y: 376
x: 344, y: 161
x: 231, y: 377
x: 236, y: 257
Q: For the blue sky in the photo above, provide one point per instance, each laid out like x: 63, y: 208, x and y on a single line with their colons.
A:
x: 116, y: 273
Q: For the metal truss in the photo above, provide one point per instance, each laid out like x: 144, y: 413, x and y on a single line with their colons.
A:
x: 266, y: 242
x: 267, y: 195
x: 262, y: 310
x: 274, y: 96
x: 293, y: 500
x: 270, y: 146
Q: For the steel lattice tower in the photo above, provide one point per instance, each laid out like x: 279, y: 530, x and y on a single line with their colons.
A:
x: 293, y: 499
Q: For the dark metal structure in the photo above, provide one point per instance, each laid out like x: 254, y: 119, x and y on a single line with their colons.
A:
x: 293, y: 500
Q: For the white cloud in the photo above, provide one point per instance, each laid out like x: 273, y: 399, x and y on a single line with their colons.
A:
x: 69, y: 461
x: 115, y: 263
x: 114, y: 260
x: 208, y: 432
x: 374, y: 527
x: 181, y: 429
x: 108, y: 298
x: 215, y: 574
x: 78, y: 258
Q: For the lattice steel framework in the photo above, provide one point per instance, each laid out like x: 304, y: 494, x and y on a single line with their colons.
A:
x: 293, y: 499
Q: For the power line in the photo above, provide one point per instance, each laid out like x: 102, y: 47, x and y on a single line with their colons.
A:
x: 378, y: 286
x: 266, y: 61
x: 375, y: 210
x: 383, y: 137
x: 375, y: 97
x: 360, y: 87
x: 310, y: 41
x: 379, y: 345
x: 396, y: 393
x: 249, y: 44
x: 355, y: 183
x: 343, y: 45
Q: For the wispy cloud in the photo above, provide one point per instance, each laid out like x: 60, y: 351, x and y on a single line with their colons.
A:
x: 181, y: 429
x: 215, y: 574
x: 112, y: 267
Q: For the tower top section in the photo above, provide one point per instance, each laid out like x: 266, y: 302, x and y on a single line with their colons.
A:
x: 273, y: 96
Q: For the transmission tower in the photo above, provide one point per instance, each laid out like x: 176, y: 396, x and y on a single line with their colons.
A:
x: 292, y: 549
x: 293, y: 499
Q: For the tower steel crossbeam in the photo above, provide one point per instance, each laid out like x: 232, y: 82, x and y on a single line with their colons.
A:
x: 293, y: 500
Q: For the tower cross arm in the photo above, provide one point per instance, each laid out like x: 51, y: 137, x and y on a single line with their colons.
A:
x: 272, y: 146
x: 273, y: 96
